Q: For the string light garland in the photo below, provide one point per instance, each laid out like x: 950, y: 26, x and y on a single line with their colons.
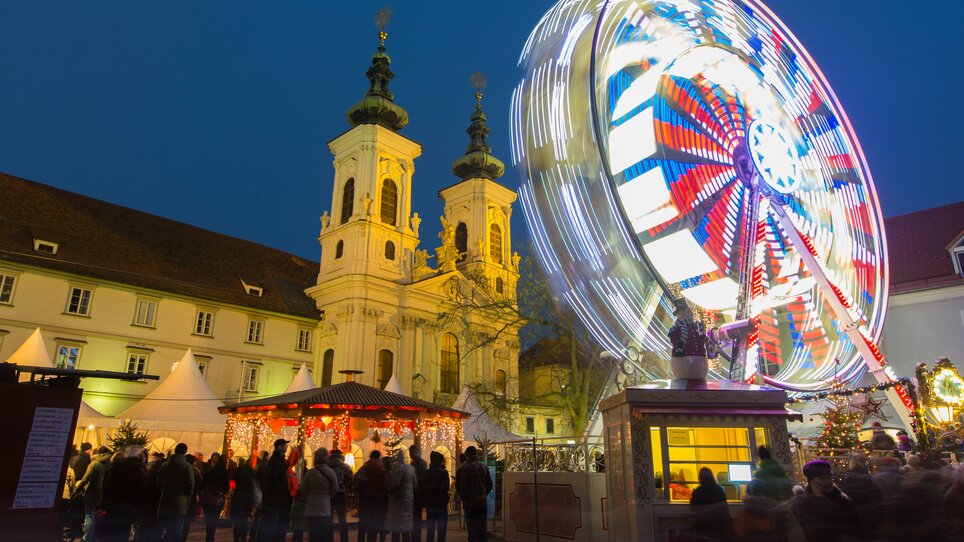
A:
x: 812, y: 397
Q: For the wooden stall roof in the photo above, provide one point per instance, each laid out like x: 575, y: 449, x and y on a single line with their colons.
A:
x: 347, y: 396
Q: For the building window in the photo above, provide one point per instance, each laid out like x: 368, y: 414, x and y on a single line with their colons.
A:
x: 495, y: 243
x: 255, y: 331
x: 79, y: 302
x: 327, y: 366
x: 202, y: 365
x: 389, y: 250
x: 204, y: 323
x: 145, y: 312
x: 550, y: 426
x: 251, y: 375
x: 68, y: 356
x: 530, y: 425
x: 500, y: 384
x: 339, y: 249
x: 957, y: 256
x: 691, y: 448
x: 6, y: 289
x: 389, y: 202
x: 499, y: 285
x: 45, y: 247
x: 252, y: 290
x: 450, y: 364
x: 137, y: 362
x: 462, y: 240
x: 304, y: 340
x: 385, y: 361
x: 347, y: 200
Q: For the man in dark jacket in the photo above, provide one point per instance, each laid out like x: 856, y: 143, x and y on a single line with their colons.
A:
x: 176, y: 481
x: 433, y: 489
x: 276, y: 501
x: 91, y: 484
x: 371, y: 486
x: 122, y: 496
x: 339, y: 501
x: 474, y: 484
x: 415, y: 459
x: 858, y: 485
x: 824, y: 513
x: 81, y: 461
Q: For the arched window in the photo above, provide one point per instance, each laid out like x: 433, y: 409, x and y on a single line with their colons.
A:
x: 499, y: 285
x: 347, y: 200
x: 389, y: 250
x: 462, y: 240
x: 385, y: 361
x: 495, y: 243
x: 500, y: 382
x: 327, y: 365
x: 449, y: 381
x: 389, y: 202
x: 339, y: 249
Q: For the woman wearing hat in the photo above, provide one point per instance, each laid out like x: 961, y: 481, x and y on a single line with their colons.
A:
x: 824, y: 512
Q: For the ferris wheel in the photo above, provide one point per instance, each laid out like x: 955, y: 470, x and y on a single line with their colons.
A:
x: 682, y: 148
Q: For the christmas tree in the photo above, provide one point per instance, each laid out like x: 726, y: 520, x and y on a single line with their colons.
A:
x: 840, y: 422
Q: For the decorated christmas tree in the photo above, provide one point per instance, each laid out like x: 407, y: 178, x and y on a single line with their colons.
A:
x: 841, y: 423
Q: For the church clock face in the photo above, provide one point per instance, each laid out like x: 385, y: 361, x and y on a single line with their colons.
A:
x: 949, y: 387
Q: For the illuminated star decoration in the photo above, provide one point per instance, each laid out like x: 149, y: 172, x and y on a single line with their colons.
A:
x: 870, y: 407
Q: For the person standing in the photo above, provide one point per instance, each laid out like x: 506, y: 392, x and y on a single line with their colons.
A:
x: 824, y: 512
x: 434, y: 492
x: 371, y: 486
x: 709, y: 506
x: 339, y: 501
x: 318, y: 487
x: 214, y: 487
x: 416, y: 461
x: 858, y: 485
x: 401, y: 499
x: 276, y: 503
x: 242, y: 500
x: 122, y: 496
x: 776, y: 484
x: 176, y: 480
x: 473, y: 483
x: 81, y: 461
x: 92, y: 486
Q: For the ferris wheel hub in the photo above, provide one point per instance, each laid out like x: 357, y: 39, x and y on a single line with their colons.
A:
x: 774, y: 157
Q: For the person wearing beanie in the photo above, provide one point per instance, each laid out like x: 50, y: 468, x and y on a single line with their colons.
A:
x: 434, y: 493
x: 825, y: 514
x: 91, y: 485
x: 473, y: 483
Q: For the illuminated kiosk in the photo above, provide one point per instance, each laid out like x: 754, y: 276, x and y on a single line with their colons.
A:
x: 659, y: 435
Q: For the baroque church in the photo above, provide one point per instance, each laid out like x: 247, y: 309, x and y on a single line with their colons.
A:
x: 116, y: 289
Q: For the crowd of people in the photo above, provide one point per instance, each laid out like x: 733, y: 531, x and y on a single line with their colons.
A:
x: 128, y: 494
x: 874, y: 499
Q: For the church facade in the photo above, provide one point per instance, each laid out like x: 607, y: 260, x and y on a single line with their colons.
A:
x: 116, y: 289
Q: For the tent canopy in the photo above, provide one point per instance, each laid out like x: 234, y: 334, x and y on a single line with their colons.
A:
x: 182, y: 401
x: 480, y: 425
x: 302, y: 381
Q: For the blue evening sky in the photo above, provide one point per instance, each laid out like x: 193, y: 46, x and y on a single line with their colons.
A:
x: 217, y: 113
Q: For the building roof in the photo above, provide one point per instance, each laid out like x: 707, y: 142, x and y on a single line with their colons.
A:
x: 347, y: 396
x: 918, y: 243
x: 104, y: 241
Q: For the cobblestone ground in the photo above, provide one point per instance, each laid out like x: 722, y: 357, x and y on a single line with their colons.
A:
x: 456, y: 533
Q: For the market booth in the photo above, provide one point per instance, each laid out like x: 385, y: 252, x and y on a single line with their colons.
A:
x: 660, y: 434
x: 339, y: 415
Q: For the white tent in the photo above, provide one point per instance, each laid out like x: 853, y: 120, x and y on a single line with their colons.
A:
x: 480, y: 425
x: 302, y: 381
x: 393, y: 386
x: 182, y: 407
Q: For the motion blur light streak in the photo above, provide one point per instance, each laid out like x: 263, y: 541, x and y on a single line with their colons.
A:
x: 666, y: 146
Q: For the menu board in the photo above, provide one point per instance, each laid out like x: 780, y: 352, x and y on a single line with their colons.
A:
x: 39, y: 484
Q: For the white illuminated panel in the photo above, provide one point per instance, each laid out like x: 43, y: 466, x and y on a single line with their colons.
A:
x: 632, y: 141
x: 717, y: 295
x: 678, y: 257
x: 646, y: 200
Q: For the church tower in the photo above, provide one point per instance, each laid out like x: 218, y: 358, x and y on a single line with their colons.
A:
x: 371, y: 230
x: 481, y: 210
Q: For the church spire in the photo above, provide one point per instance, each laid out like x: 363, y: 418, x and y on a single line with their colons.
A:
x: 478, y: 161
x: 378, y: 106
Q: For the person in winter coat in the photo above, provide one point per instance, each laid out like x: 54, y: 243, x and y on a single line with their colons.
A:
x: 401, y: 499
x: 81, y: 461
x: 416, y: 461
x: 858, y: 485
x: 825, y: 514
x: 242, y: 500
x: 473, y: 483
x: 123, y: 495
x: 709, y: 505
x: 276, y: 503
x: 338, y: 502
x: 318, y: 487
x: 146, y: 525
x: 764, y: 519
x: 371, y: 486
x: 777, y: 485
x: 176, y: 480
x: 214, y: 487
x: 433, y: 490
x: 91, y: 484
